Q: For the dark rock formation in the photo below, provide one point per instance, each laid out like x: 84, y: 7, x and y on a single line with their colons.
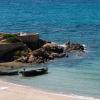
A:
x: 41, y: 55
x: 36, y: 44
x: 32, y: 49
x: 72, y: 46
x: 50, y: 51
x: 51, y: 47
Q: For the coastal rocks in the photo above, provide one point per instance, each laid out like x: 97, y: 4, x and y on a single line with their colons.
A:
x: 41, y: 55
x: 26, y: 49
x: 34, y: 45
x: 22, y: 59
x: 72, y: 46
x: 50, y: 51
x: 57, y: 55
x: 47, y: 52
x: 37, y: 56
x: 31, y: 59
x: 52, y: 47
x: 41, y: 43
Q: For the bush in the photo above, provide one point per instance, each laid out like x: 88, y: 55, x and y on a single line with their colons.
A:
x: 7, y: 36
x: 11, y: 38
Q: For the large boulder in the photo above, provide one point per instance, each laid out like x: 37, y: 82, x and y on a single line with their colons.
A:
x: 41, y: 53
x: 52, y: 47
x: 31, y: 59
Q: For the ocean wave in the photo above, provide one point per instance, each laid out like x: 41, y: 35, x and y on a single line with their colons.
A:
x: 73, y: 96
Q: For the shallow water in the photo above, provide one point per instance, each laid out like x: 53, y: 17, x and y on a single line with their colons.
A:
x: 60, y: 21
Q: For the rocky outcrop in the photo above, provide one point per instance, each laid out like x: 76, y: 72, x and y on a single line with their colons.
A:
x: 9, y: 48
x: 52, y: 47
x: 35, y: 50
x: 74, y: 46
x: 41, y: 55
x: 50, y: 51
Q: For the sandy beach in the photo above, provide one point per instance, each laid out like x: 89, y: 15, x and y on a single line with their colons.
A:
x: 10, y: 91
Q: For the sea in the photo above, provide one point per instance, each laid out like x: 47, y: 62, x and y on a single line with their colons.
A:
x: 60, y: 21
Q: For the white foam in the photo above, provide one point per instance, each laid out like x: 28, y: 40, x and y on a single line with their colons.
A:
x: 63, y: 45
x: 76, y: 97
x: 84, y: 46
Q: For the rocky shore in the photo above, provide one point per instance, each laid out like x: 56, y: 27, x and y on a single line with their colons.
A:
x: 34, y: 50
x: 50, y: 51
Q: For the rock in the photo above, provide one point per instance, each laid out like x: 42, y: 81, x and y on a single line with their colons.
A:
x: 41, y: 55
x: 22, y: 59
x: 54, y: 55
x: 51, y: 57
x: 72, y: 46
x: 31, y: 59
x: 57, y: 55
x: 41, y: 43
x: 62, y: 55
x: 40, y: 60
x: 49, y: 46
x: 52, y: 47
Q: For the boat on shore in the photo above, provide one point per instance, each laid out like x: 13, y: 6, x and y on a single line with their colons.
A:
x: 34, y: 72
x: 8, y: 72
x: 31, y: 71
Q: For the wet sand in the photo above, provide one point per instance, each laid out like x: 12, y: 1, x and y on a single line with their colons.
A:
x: 10, y: 91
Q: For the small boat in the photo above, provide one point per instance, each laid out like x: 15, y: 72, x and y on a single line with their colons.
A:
x: 9, y: 72
x: 34, y: 72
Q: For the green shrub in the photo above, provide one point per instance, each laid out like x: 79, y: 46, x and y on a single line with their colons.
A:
x: 11, y: 38
x: 7, y: 36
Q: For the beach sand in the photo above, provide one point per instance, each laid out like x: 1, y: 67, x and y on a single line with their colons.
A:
x: 10, y: 91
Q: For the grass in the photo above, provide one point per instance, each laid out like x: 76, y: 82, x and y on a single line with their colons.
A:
x: 9, y: 38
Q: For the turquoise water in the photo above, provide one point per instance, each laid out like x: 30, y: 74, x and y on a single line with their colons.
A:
x: 60, y: 21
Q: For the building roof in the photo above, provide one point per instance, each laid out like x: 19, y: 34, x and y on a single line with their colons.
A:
x: 25, y: 34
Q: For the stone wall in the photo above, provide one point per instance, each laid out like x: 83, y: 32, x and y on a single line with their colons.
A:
x: 29, y: 38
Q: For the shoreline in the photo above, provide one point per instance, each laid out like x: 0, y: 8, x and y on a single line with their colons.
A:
x: 11, y: 90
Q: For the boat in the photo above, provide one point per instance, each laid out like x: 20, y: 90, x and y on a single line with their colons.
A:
x: 34, y: 72
x: 9, y: 72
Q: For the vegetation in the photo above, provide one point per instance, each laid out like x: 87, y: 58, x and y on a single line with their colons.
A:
x: 10, y: 38
x: 7, y: 36
x: 13, y: 40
